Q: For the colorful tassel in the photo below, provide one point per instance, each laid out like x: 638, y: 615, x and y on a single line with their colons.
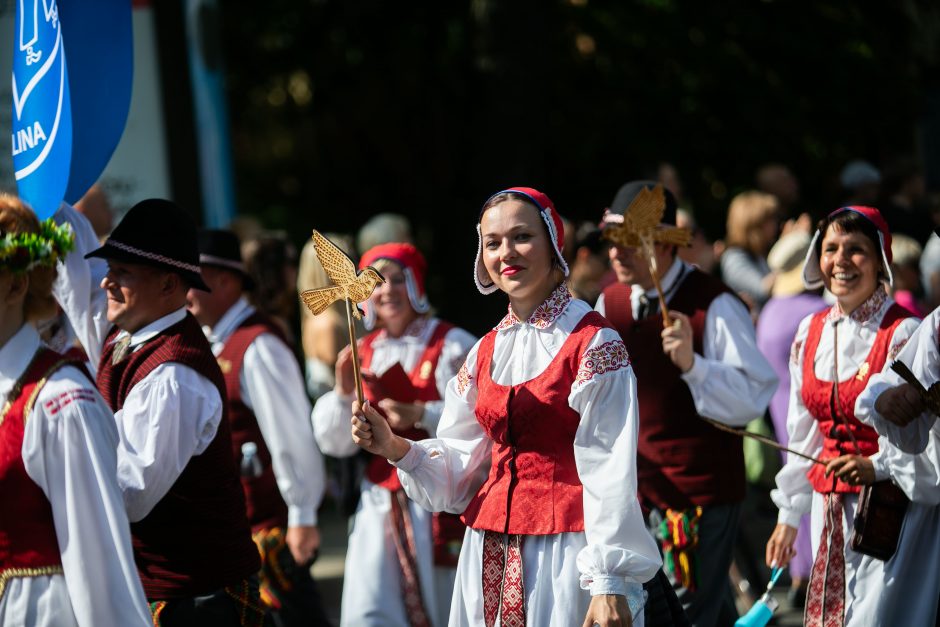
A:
x: 679, y: 534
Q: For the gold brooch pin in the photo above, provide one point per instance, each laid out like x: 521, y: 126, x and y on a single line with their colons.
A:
x: 225, y: 365
x: 425, y: 370
x: 862, y: 372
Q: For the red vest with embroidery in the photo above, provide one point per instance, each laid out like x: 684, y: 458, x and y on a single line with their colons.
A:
x: 196, y: 539
x: 379, y: 471
x: 533, y: 487
x: 818, y: 396
x: 682, y: 461
x: 266, y: 507
x: 28, y: 543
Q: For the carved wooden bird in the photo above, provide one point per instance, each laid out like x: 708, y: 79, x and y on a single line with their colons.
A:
x: 347, y: 283
x: 642, y: 220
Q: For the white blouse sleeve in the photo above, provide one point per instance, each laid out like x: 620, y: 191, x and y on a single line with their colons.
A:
x: 793, y: 495
x: 457, y: 343
x: 921, y: 355
x: 332, y: 428
x: 444, y: 473
x: 78, y: 285
x: 69, y: 450
x: 620, y: 554
x: 273, y: 387
x: 168, y: 417
x: 732, y: 381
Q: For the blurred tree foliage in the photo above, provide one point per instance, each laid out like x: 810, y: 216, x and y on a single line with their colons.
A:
x: 343, y: 109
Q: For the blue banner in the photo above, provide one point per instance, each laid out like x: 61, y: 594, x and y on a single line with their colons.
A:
x: 68, y: 117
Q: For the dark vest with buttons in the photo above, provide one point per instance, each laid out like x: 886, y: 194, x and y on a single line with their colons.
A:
x: 196, y: 539
x: 682, y: 461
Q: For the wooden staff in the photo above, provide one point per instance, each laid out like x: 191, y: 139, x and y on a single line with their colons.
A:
x: 761, y: 439
x: 650, y: 252
x: 357, y: 373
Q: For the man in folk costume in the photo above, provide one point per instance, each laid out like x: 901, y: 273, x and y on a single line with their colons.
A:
x: 192, y: 541
x: 282, y: 469
x: 394, y: 540
x: 690, y: 474
x: 65, y: 548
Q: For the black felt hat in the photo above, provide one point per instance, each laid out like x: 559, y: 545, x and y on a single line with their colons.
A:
x: 222, y: 249
x: 157, y: 233
x: 629, y: 191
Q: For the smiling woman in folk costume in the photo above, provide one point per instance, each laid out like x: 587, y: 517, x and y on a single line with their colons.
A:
x: 406, y: 363
x: 847, y: 343
x: 536, y: 446
x: 65, y: 546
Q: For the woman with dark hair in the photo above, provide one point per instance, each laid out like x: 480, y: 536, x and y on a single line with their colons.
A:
x: 65, y: 546
x: 536, y: 445
x: 834, y: 353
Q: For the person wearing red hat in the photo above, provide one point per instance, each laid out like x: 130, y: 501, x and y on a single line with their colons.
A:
x: 407, y: 359
x: 65, y: 547
x: 834, y: 354
x: 705, y: 363
x: 536, y: 445
x: 126, y: 300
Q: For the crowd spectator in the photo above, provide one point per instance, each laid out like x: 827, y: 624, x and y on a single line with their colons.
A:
x: 752, y: 227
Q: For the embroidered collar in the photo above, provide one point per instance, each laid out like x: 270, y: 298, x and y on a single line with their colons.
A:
x: 545, y: 314
x: 864, y: 312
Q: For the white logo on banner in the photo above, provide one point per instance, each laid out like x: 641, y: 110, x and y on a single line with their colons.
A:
x: 29, y: 136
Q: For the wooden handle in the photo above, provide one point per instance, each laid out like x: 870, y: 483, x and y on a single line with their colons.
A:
x: 764, y: 440
x: 357, y: 373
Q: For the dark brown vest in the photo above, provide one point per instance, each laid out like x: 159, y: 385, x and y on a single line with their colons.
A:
x: 682, y: 461
x: 196, y: 539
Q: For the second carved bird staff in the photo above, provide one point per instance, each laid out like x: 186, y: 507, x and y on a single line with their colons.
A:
x: 349, y: 285
x: 641, y: 227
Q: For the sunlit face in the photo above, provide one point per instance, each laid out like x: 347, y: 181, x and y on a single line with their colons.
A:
x: 517, y: 253
x: 133, y: 290
x: 850, y: 265
x: 390, y: 299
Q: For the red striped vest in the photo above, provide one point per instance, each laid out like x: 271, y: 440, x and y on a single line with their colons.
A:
x: 265, y: 506
x: 196, y: 539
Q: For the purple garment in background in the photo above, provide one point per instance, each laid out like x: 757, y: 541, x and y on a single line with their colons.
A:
x: 776, y: 328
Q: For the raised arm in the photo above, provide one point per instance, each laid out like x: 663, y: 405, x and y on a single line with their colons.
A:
x: 78, y: 285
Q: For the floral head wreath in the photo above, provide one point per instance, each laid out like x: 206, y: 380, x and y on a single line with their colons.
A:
x: 21, y: 252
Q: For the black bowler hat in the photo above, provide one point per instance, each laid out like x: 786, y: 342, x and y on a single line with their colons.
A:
x: 157, y: 233
x: 629, y: 191
x: 222, y: 249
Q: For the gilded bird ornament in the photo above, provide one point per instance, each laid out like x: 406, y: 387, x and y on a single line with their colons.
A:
x: 347, y: 282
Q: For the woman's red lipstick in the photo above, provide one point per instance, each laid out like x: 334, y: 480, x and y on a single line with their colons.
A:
x: 510, y: 270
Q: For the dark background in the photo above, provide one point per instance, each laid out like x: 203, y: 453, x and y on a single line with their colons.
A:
x: 341, y: 110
